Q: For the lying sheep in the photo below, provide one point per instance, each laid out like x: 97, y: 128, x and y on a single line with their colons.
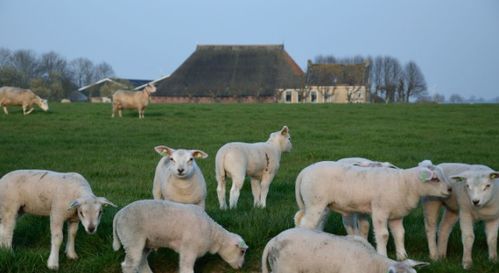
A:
x: 23, y: 97
x: 259, y: 160
x: 387, y: 194
x: 186, y: 229
x: 358, y: 223
x: 132, y: 100
x: 178, y: 177
x: 304, y: 250
x: 475, y: 197
x: 62, y: 196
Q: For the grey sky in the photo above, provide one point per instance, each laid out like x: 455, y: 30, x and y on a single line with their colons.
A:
x: 455, y: 42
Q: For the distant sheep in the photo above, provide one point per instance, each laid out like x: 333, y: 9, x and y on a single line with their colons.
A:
x: 132, y: 100
x: 150, y: 224
x: 475, y: 197
x: 22, y: 97
x: 387, y: 194
x: 178, y: 178
x: 62, y: 196
x: 260, y: 161
x: 303, y: 250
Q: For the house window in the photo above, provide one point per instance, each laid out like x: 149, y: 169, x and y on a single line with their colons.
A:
x: 288, y: 96
x: 313, y: 96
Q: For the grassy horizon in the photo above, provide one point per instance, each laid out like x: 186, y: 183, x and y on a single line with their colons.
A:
x: 116, y: 156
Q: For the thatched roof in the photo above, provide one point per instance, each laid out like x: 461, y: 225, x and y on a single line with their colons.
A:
x: 233, y: 70
x: 337, y: 74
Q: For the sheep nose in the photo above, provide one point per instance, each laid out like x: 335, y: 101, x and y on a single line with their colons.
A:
x: 180, y: 171
x: 475, y: 202
x: 91, y: 229
x: 449, y: 189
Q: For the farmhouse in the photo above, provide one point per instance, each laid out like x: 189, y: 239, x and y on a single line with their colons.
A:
x: 232, y: 73
x: 104, y: 88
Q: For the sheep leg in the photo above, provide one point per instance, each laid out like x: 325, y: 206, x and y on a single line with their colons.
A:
x: 380, y: 231
x: 313, y: 216
x: 221, y: 191
x: 431, y: 209
x: 491, y: 228
x: 448, y: 221
x: 70, y: 244
x: 144, y: 265
x: 5, y: 110
x: 119, y: 112
x: 266, y: 180
x: 256, y: 190
x: 114, y: 110
x: 237, y: 184
x: 186, y: 262
x: 140, y: 113
x: 349, y: 221
x: 7, y: 225
x: 30, y: 110
x: 397, y: 228
x: 56, y: 224
x: 133, y: 258
x: 467, y: 237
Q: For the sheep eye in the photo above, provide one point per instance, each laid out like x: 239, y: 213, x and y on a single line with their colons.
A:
x: 487, y: 186
x: 243, y: 251
x: 172, y: 160
x: 435, y: 179
x: 190, y: 160
x: 100, y: 212
x: 81, y: 213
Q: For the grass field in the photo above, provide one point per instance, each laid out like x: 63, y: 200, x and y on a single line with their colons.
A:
x: 117, y: 157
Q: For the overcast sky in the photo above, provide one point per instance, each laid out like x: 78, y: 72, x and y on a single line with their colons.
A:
x: 455, y: 42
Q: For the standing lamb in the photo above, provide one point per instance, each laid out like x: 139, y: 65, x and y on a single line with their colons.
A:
x: 304, y: 250
x: 23, y: 97
x: 132, y: 100
x: 186, y: 229
x: 358, y: 223
x: 475, y: 197
x: 387, y: 194
x: 178, y: 177
x: 62, y: 196
x: 259, y: 160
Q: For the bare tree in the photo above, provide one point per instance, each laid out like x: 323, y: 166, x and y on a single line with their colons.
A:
x: 438, y: 98
x: 25, y: 62
x: 83, y: 71
x: 455, y: 98
x: 4, y: 56
x: 415, y: 81
x: 103, y: 70
x: 392, y: 71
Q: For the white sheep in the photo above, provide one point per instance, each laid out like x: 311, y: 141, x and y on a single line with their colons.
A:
x: 259, y: 161
x: 358, y: 223
x: 150, y: 224
x: 139, y: 100
x: 23, y: 97
x: 62, y: 196
x: 385, y: 193
x: 178, y: 178
x: 475, y: 197
x: 304, y: 250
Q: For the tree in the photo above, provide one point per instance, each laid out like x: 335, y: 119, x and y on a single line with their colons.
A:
x: 455, y: 98
x: 103, y: 70
x: 392, y: 72
x: 438, y: 98
x: 83, y: 71
x: 26, y: 63
x: 4, y: 56
x: 415, y: 83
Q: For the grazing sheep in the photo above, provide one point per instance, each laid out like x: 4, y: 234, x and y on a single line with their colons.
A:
x: 475, y: 197
x: 358, y: 223
x: 62, y: 196
x: 65, y: 101
x: 186, y: 229
x: 259, y: 160
x: 23, y: 97
x: 135, y: 100
x: 387, y: 194
x: 178, y: 177
x: 303, y: 250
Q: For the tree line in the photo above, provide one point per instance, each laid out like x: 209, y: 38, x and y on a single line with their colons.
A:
x: 51, y: 75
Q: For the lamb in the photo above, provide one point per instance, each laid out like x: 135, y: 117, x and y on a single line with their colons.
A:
x: 135, y: 100
x: 475, y: 196
x: 178, y: 178
x: 23, y: 97
x: 62, y: 196
x: 358, y: 223
x: 259, y: 160
x: 303, y: 250
x: 150, y: 224
x: 387, y: 194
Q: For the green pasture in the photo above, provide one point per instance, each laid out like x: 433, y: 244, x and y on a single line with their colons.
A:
x: 117, y: 157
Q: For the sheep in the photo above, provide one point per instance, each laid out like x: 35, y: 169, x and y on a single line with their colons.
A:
x: 129, y: 99
x: 150, y: 224
x: 358, y: 223
x: 259, y: 160
x: 178, y: 177
x: 62, y: 196
x: 387, y: 194
x: 303, y: 250
x: 23, y: 97
x: 475, y: 196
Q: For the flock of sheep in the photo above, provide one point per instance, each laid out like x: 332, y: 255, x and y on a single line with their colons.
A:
x: 355, y: 187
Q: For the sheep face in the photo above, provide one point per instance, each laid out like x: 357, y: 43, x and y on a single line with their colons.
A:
x: 89, y: 211
x: 44, y: 105
x: 181, y: 162
x: 233, y: 251
x: 438, y: 183
x: 282, y: 138
x: 405, y: 266
x: 479, y: 185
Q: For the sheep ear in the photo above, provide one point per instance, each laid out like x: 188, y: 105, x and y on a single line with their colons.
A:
x: 494, y: 175
x: 284, y: 130
x: 74, y: 204
x: 425, y: 174
x: 413, y: 263
x: 390, y: 165
x: 458, y: 178
x: 199, y: 154
x: 242, y: 245
x: 163, y: 150
x: 363, y: 164
x: 106, y: 202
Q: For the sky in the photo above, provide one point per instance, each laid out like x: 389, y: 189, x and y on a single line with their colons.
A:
x: 454, y: 42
